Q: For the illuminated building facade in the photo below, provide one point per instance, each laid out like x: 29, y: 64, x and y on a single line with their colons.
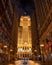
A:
x: 24, y: 37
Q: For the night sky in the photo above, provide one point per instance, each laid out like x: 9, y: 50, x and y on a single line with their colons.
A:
x: 24, y: 7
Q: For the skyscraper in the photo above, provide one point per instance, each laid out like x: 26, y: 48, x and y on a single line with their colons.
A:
x: 24, y: 37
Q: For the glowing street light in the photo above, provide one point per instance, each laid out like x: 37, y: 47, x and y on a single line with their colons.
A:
x: 5, y: 46
x: 11, y: 50
x: 41, y: 45
x: 35, y: 50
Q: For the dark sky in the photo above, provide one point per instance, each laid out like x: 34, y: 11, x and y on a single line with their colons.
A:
x: 24, y: 7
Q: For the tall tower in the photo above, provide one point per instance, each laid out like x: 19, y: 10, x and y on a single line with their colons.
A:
x: 24, y: 46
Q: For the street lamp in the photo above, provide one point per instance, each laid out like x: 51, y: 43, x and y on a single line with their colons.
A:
x: 41, y: 45
x: 11, y: 50
x: 35, y: 50
x: 42, y: 51
x: 5, y: 46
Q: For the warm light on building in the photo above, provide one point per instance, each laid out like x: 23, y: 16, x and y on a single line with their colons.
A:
x: 24, y: 36
x: 25, y: 32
